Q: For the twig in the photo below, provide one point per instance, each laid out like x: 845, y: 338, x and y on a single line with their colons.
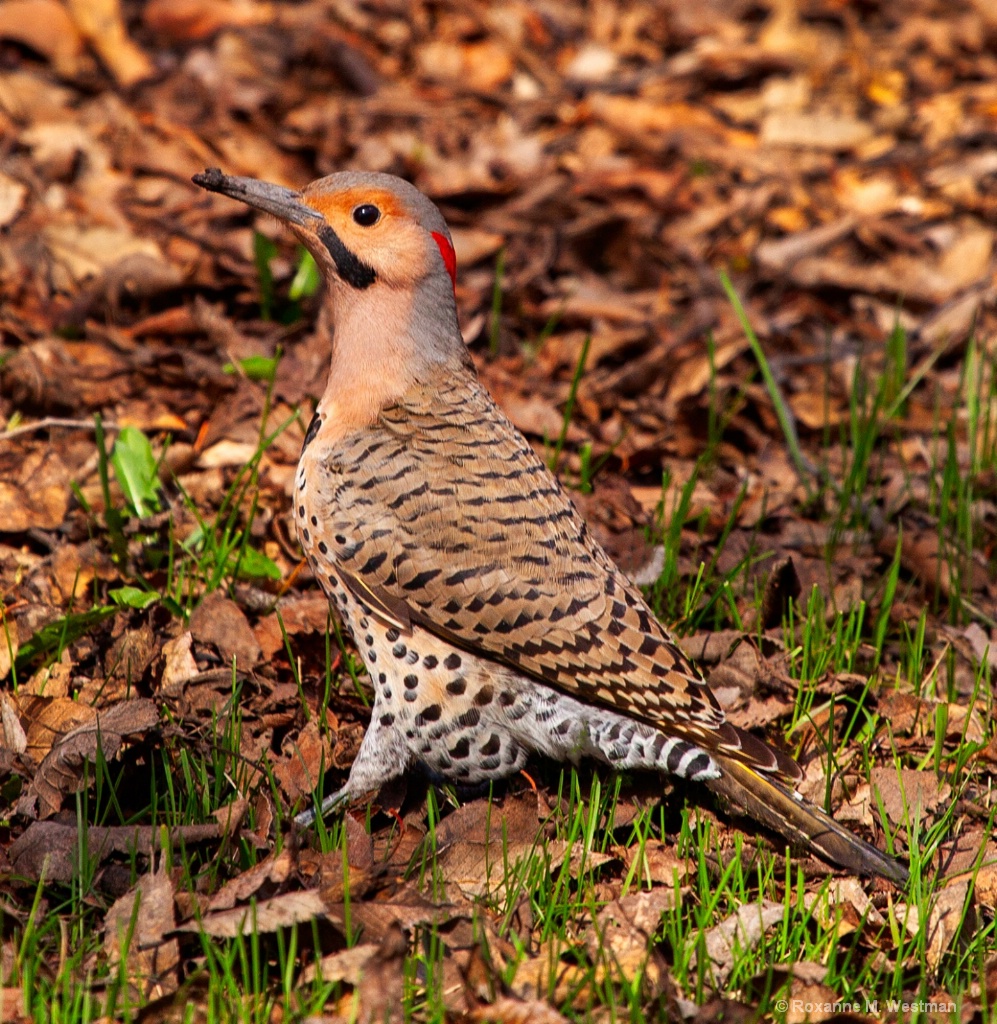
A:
x: 53, y: 421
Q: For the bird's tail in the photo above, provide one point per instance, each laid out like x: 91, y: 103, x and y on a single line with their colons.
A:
x: 767, y: 801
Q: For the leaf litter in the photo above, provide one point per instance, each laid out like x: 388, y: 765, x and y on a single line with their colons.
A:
x: 155, y: 611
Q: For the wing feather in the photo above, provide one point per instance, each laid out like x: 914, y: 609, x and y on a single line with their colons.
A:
x: 444, y: 516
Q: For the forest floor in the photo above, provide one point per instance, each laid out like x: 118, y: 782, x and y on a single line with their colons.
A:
x: 730, y: 267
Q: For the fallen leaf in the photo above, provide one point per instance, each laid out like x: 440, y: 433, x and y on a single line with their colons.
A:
x: 266, y: 916
x: 45, y: 27
x: 51, y: 851
x: 728, y: 941
x: 102, y: 24
x: 188, y: 20
x: 908, y: 795
x: 218, y: 620
x: 62, y: 770
x: 135, y: 936
x: 34, y: 489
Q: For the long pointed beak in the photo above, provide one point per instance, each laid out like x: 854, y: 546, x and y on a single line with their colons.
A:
x: 283, y: 203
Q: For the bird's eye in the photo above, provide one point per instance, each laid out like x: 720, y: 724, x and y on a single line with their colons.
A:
x: 366, y: 215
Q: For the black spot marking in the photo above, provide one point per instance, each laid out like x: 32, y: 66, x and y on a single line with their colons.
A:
x: 368, y: 640
x: 562, y: 727
x: 304, y: 533
x: 339, y: 539
x: 452, y: 661
x: 372, y: 655
x: 392, y: 635
x: 461, y: 748
x: 493, y: 746
x: 484, y: 696
x: 399, y: 650
x: 411, y: 682
x: 430, y: 714
x: 412, y: 657
x: 349, y: 266
x: 314, y: 520
x: 323, y: 547
x: 506, y: 697
x: 430, y: 661
x: 301, y: 511
x: 457, y: 686
x: 421, y: 579
x: 373, y: 563
x: 382, y: 678
x: 387, y: 719
x: 470, y: 718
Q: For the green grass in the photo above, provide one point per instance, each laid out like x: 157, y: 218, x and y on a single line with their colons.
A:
x: 586, y: 851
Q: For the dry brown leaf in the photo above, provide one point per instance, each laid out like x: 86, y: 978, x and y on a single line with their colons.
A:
x: 51, y: 851
x: 186, y: 20
x: 622, y: 932
x: 101, y: 23
x: 844, y: 905
x: 406, y: 909
x: 479, y: 845
x: 472, y: 245
x: 45, y: 27
x: 654, y: 862
x: 83, y: 252
x: 908, y: 795
x: 818, y: 129
x: 296, y: 613
x: 180, y: 666
x: 347, y: 965
x: 62, y: 770
x: 304, y: 757
x: 275, y: 870
x: 218, y: 620
x: 265, y: 916
x: 947, y: 918
x: 135, y: 930
x: 485, y: 65
x: 505, y: 1010
x: 743, y: 930
x: 34, y: 489
x: 49, y: 719
x: 14, y: 736
x: 127, y: 660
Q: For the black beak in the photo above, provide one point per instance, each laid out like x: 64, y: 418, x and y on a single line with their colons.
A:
x: 283, y: 203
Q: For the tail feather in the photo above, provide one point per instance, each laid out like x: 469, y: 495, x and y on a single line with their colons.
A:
x: 767, y: 801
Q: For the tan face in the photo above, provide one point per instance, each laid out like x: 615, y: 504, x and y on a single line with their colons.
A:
x: 374, y: 226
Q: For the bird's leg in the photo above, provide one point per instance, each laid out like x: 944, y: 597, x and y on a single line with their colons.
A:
x: 383, y: 756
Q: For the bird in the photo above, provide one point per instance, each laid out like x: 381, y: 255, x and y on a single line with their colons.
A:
x: 492, y: 623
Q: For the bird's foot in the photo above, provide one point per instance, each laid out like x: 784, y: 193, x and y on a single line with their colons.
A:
x: 331, y: 803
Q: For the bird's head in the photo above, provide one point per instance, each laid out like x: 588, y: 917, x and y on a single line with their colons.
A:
x: 388, y: 262
x: 364, y: 229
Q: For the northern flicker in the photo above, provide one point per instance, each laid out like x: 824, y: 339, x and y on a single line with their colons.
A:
x: 491, y: 622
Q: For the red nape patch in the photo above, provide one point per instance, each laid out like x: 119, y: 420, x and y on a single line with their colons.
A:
x: 449, y: 257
